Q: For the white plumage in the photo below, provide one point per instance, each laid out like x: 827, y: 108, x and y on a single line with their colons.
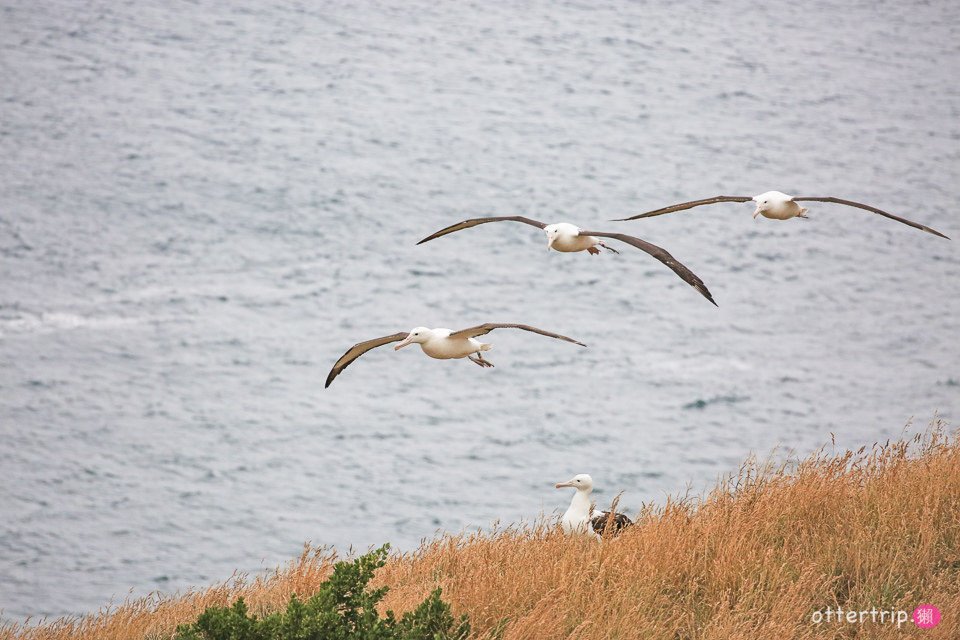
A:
x: 581, y: 517
x: 442, y: 344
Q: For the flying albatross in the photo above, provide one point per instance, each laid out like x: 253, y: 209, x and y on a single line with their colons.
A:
x: 569, y: 238
x: 582, y: 516
x: 779, y: 206
x: 442, y: 344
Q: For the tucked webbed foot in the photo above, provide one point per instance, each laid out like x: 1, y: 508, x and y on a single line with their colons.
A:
x: 479, y: 359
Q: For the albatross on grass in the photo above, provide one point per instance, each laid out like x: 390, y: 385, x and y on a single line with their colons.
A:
x: 582, y: 516
x: 779, y: 206
x: 569, y: 238
x: 442, y: 344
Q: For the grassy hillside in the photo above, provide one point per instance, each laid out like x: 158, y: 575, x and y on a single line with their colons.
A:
x: 757, y: 557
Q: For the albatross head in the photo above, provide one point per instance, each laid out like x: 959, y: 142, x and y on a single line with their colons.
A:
x: 554, y: 231
x: 769, y: 201
x: 580, y: 482
x: 417, y: 334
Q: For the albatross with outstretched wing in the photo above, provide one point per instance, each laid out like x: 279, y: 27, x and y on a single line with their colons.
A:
x: 569, y: 238
x: 442, y: 344
x: 780, y: 206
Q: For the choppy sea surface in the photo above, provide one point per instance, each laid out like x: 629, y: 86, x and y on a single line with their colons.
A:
x: 202, y: 205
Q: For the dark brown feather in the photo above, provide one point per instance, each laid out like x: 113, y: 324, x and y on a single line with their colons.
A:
x: 687, y: 205
x: 473, y: 222
x: 663, y: 256
x: 358, y: 350
x: 616, y: 521
x: 867, y: 207
x: 482, y: 329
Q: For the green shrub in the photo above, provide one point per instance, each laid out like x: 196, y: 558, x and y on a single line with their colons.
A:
x: 343, y: 609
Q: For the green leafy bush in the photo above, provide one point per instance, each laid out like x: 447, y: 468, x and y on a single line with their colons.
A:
x: 343, y: 609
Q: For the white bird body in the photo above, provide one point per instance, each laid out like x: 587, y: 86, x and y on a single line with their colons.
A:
x: 441, y: 344
x: 776, y: 205
x: 438, y: 344
x: 569, y: 238
x: 576, y: 519
x: 582, y: 518
x: 566, y: 238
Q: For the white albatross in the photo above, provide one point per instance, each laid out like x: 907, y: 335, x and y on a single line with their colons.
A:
x: 569, y: 238
x: 582, y: 515
x: 780, y: 206
x: 442, y: 344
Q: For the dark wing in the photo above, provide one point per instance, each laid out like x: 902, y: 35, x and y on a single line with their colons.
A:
x: 860, y: 205
x: 618, y: 522
x: 466, y: 224
x: 358, y: 350
x: 480, y: 330
x: 688, y: 205
x: 663, y: 256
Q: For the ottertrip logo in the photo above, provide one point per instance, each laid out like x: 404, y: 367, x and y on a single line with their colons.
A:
x: 926, y: 616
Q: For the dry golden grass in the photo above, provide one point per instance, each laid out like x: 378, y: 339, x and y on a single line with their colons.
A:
x: 753, y: 559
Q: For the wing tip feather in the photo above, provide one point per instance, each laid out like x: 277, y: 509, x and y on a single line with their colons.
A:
x: 702, y: 289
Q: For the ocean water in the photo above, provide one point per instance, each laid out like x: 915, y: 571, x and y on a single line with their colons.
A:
x: 202, y: 205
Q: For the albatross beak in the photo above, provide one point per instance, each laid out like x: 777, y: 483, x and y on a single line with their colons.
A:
x: 563, y: 485
x: 406, y: 341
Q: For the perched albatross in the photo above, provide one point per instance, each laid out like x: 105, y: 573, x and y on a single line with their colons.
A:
x: 569, y: 238
x: 442, y: 344
x: 779, y: 206
x: 582, y: 516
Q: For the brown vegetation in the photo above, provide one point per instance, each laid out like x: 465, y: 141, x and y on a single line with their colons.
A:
x: 755, y: 558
